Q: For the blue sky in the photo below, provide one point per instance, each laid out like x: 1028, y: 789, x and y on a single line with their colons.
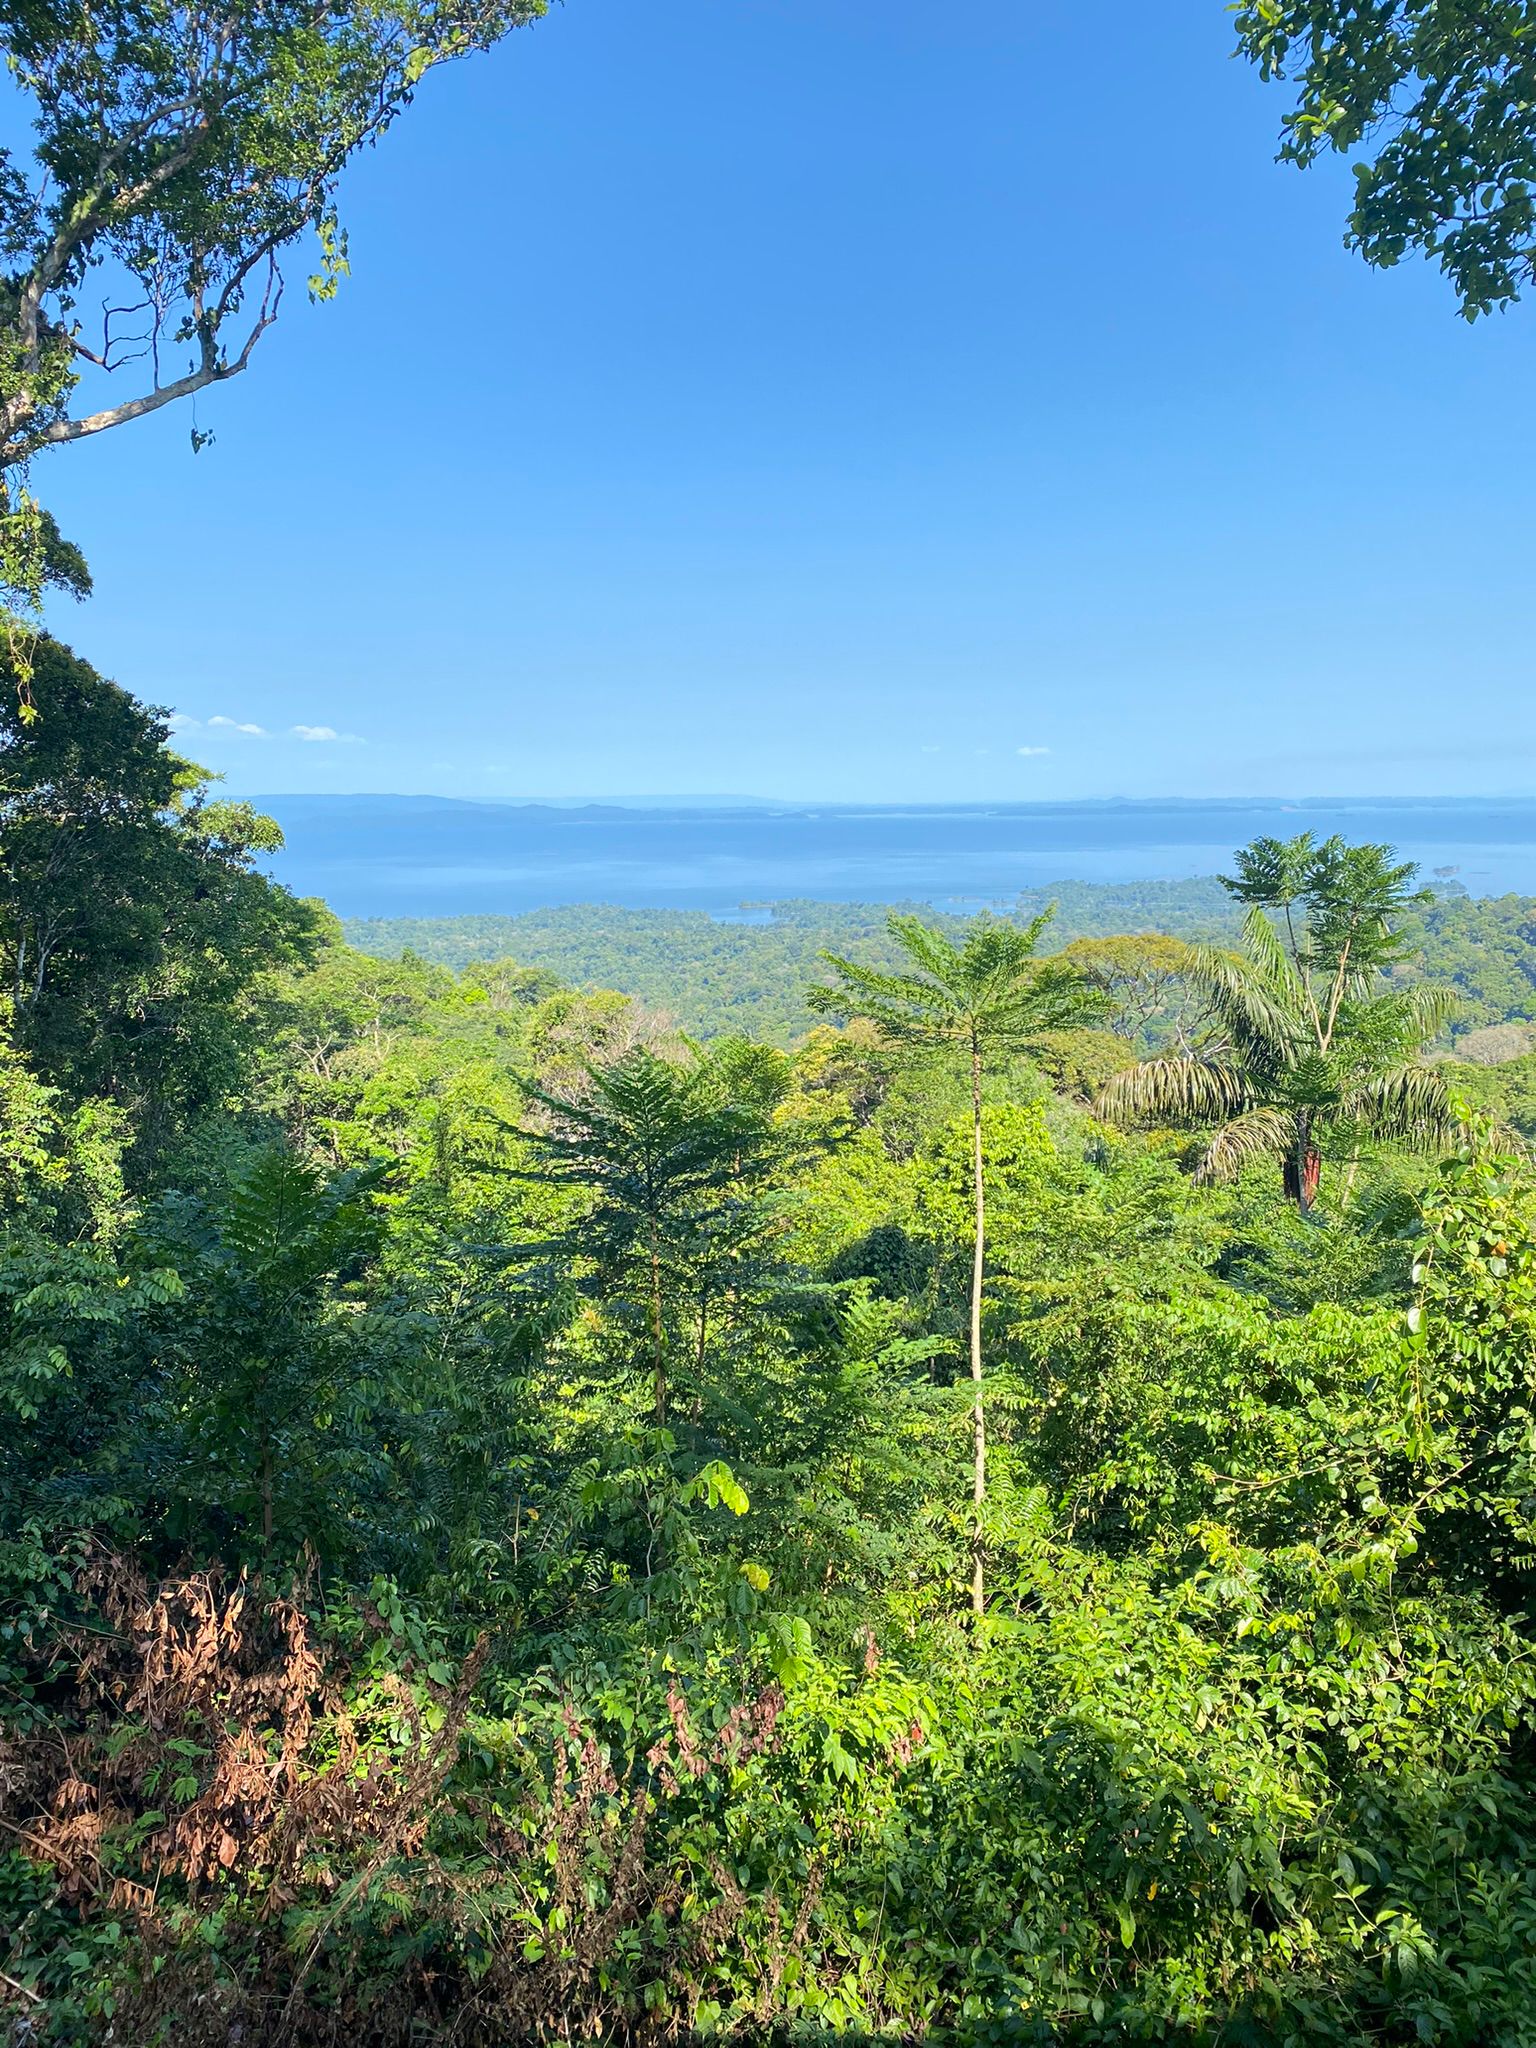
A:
x: 870, y: 400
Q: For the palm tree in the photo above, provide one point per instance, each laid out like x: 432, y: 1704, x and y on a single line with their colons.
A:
x: 984, y: 999
x: 1308, y: 1039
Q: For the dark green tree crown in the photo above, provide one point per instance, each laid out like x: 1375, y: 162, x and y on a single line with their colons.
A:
x: 1340, y: 904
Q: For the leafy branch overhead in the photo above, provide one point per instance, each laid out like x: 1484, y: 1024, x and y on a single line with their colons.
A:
x: 179, y: 152
x: 1436, y: 102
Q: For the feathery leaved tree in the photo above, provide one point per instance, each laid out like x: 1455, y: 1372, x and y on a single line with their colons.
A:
x: 982, y: 1000
x: 270, y: 1394
x: 1308, y: 1041
x: 672, y: 1156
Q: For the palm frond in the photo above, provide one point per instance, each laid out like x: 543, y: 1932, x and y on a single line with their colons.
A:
x: 935, y: 954
x: 1411, y: 1104
x: 1266, y: 1031
x: 992, y: 990
x: 997, y: 958
x: 1430, y: 1007
x: 904, y: 1006
x: 1274, y: 967
x: 1388, y: 1031
x: 1182, y: 1091
x: 1051, y: 996
x: 1259, y: 1134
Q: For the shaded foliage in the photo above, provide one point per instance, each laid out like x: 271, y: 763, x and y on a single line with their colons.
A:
x: 133, y: 918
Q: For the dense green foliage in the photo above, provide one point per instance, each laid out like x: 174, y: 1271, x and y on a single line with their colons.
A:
x: 488, y: 1493
x: 751, y: 978
x: 614, y: 1475
x: 132, y: 918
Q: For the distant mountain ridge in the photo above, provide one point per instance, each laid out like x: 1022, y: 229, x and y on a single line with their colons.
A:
x: 389, y: 800
x: 1281, y: 807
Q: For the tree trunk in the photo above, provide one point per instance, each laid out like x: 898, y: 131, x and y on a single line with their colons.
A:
x: 700, y: 1352
x: 658, y: 1336
x: 266, y: 1489
x: 979, y: 1419
x: 1303, y: 1169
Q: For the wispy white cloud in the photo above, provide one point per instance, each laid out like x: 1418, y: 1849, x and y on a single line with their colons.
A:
x: 325, y: 732
x: 183, y: 721
x: 1029, y: 752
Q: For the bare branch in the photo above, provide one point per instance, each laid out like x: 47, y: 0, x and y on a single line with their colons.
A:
x: 214, y: 369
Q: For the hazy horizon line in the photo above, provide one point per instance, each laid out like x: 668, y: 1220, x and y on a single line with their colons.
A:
x: 713, y: 799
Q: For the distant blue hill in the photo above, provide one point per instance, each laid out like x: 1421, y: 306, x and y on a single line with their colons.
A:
x: 424, y: 856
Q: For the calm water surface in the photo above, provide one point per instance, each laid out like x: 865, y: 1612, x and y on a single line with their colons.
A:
x: 421, y: 857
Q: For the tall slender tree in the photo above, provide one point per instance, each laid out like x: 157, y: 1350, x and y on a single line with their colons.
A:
x: 1308, y: 1039
x: 980, y: 1001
